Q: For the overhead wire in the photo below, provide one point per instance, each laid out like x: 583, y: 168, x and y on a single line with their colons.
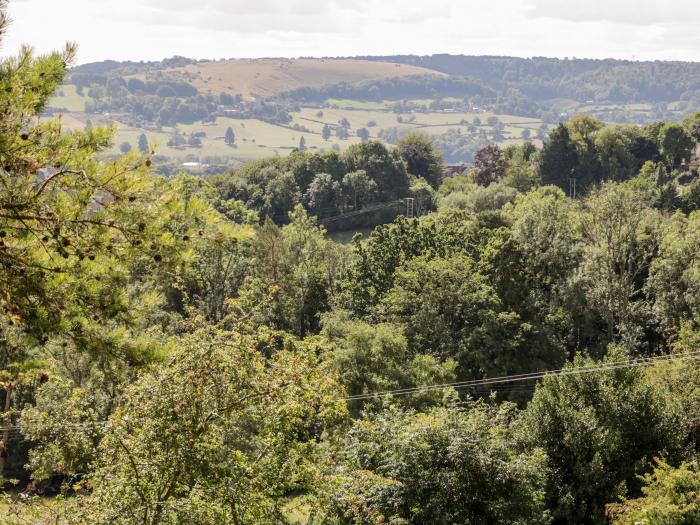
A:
x: 509, y: 383
x: 597, y: 367
x: 357, y: 213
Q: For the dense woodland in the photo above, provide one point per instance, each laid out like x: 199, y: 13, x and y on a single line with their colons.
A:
x: 166, y: 103
x: 581, y: 79
x: 197, y: 350
x: 366, y: 176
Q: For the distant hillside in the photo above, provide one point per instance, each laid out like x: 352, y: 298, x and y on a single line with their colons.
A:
x: 187, y: 106
x: 106, y: 67
x: 583, y: 80
x: 267, y: 77
x: 541, y: 79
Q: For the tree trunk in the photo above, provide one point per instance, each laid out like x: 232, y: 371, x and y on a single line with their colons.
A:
x: 4, y: 444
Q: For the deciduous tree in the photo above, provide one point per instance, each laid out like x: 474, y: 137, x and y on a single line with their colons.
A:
x: 489, y: 165
x: 230, y: 137
x: 558, y: 159
x: 445, y: 466
x: 422, y: 158
x: 218, y: 436
x: 600, y: 431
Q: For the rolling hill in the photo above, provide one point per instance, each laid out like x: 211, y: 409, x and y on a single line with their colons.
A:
x: 463, y: 102
x: 266, y: 77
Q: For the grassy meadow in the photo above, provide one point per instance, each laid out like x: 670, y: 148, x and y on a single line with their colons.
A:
x: 269, y: 76
x: 256, y: 139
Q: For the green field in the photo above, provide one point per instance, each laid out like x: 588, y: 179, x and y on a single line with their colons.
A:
x: 256, y: 139
x: 434, y: 123
x: 67, y: 97
x: 346, y: 103
x: 601, y: 110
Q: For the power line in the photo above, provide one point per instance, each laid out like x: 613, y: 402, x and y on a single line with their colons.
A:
x: 343, y: 215
x: 615, y: 365
x: 357, y: 213
x: 504, y: 380
x: 530, y: 376
x: 510, y: 383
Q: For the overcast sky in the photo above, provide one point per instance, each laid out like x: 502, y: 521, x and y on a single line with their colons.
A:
x: 154, y: 29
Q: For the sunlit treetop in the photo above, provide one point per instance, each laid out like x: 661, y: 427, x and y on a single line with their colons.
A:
x: 70, y: 218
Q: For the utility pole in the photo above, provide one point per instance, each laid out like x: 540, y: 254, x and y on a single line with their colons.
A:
x: 6, y: 423
x: 409, y: 207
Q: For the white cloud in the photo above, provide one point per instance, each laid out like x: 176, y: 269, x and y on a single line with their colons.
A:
x: 153, y: 29
x: 624, y: 12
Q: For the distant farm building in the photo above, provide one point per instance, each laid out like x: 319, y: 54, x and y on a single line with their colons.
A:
x: 450, y: 170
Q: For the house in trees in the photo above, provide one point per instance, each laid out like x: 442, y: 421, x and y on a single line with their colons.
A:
x: 450, y: 170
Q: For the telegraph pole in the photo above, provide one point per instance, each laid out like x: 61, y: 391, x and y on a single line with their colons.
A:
x: 409, y: 207
x: 572, y: 184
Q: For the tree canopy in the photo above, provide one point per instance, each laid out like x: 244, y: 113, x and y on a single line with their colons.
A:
x: 199, y: 349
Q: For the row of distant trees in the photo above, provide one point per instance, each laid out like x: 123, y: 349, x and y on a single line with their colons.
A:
x: 195, y: 139
x: 343, y: 131
x: 142, y: 145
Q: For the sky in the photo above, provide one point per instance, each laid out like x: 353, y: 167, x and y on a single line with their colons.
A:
x: 214, y: 29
